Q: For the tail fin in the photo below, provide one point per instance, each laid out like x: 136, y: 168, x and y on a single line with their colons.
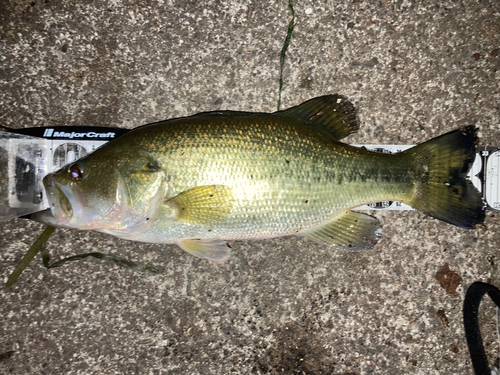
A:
x: 443, y: 191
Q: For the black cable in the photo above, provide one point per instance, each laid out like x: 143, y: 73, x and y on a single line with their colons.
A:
x: 473, y: 298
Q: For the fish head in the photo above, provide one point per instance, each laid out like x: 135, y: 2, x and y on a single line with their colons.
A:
x: 109, y: 190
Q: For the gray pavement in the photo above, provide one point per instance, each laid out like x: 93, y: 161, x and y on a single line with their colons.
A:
x: 282, y: 306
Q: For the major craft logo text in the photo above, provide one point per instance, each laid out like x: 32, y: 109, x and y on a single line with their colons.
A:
x: 50, y: 133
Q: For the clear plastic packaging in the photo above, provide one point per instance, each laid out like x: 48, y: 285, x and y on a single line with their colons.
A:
x: 23, y: 164
x: 25, y: 159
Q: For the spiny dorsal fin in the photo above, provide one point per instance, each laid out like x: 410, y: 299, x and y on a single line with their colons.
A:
x: 335, y: 114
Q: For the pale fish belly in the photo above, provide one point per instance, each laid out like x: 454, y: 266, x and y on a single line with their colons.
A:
x: 273, y: 215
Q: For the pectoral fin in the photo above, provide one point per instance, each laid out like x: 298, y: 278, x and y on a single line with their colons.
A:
x: 351, y: 231
x: 206, y: 205
x: 215, y: 250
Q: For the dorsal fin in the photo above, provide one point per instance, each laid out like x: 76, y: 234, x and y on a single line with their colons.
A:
x: 335, y: 114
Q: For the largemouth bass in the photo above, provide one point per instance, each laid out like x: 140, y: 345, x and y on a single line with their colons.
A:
x: 202, y: 180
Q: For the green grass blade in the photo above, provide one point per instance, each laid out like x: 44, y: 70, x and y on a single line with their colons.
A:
x: 28, y: 257
x: 109, y: 258
x: 291, y: 25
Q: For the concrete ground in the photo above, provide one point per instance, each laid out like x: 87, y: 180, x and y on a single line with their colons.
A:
x: 283, y: 306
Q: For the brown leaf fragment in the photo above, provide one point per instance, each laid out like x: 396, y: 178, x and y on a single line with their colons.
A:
x: 442, y: 315
x: 449, y: 279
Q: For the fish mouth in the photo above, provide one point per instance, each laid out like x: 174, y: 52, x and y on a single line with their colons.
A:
x: 59, y: 202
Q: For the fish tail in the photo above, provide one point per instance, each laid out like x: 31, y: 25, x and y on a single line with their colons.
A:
x: 443, y: 190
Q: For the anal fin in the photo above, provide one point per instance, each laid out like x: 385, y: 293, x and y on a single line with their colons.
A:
x: 215, y: 250
x: 351, y: 231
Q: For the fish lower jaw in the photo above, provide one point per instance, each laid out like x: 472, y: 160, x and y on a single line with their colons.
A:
x: 61, y: 218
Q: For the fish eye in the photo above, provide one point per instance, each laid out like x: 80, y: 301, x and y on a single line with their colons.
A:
x: 75, y: 171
